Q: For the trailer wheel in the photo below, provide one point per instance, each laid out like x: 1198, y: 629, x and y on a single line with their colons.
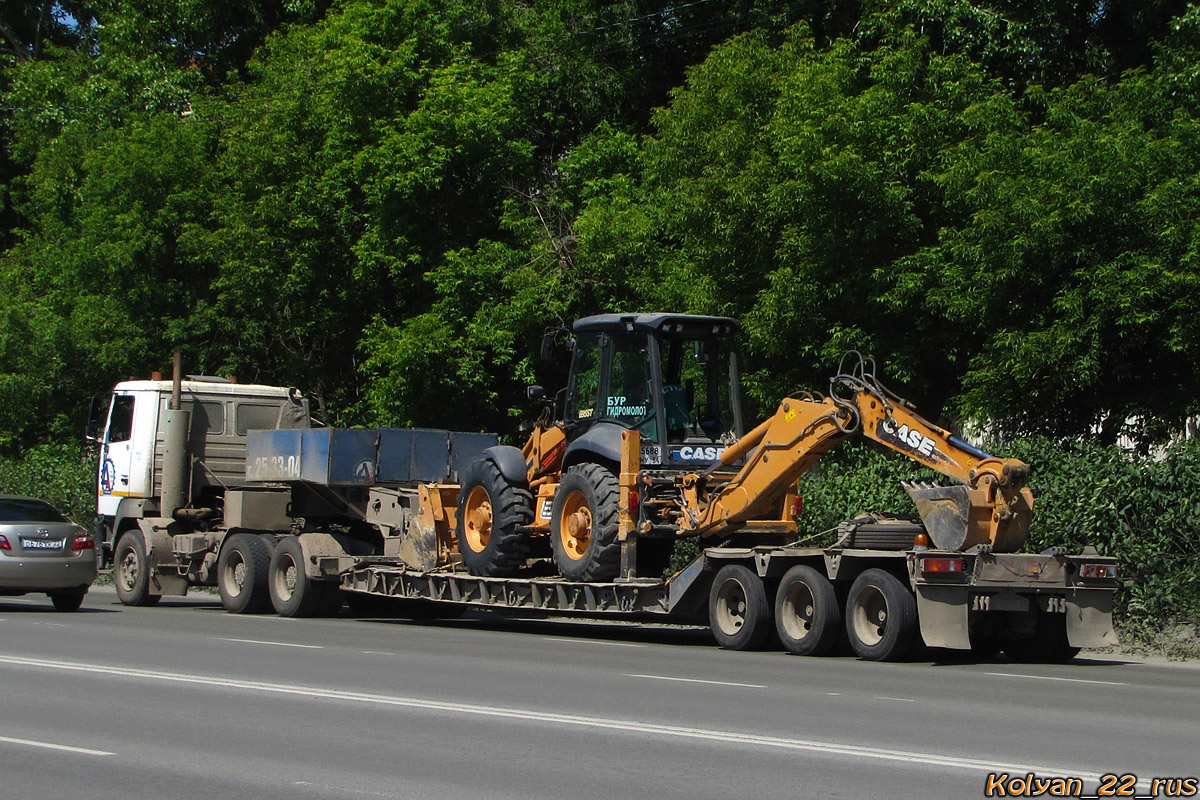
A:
x: 1049, y: 643
x: 131, y: 571
x: 881, y: 616
x: 739, y: 611
x: 293, y: 593
x: 491, y: 515
x: 583, y: 524
x: 242, y: 571
x: 807, y: 615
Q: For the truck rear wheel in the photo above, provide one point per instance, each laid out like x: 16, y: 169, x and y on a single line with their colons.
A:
x: 807, y: 615
x: 881, y: 616
x: 131, y: 571
x: 242, y: 571
x: 739, y: 611
x: 491, y: 514
x: 293, y: 593
x: 583, y: 524
x: 1049, y: 643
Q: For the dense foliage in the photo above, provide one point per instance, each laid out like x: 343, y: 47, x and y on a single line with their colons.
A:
x: 386, y: 202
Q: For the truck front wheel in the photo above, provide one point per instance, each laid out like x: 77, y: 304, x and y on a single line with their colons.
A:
x: 491, y: 514
x: 807, y: 615
x: 881, y: 616
x: 242, y: 573
x: 739, y: 611
x: 131, y: 571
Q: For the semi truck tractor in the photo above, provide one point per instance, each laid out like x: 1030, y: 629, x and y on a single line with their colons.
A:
x: 643, y: 449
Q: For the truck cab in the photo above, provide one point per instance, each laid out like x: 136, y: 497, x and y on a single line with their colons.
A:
x: 132, y: 433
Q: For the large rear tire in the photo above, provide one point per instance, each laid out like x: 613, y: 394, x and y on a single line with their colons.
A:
x: 807, y: 615
x: 583, y: 524
x: 491, y: 516
x: 881, y: 616
x: 293, y: 593
x: 131, y: 571
x: 739, y: 611
x: 242, y: 570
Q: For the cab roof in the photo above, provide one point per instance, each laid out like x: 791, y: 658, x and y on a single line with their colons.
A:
x: 689, y: 324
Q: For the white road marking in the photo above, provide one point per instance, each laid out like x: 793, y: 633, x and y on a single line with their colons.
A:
x: 590, y: 641
x: 51, y: 746
x: 923, y: 758
x: 276, y: 644
x: 378, y: 653
x: 693, y: 680
x: 897, y: 699
x: 1051, y: 678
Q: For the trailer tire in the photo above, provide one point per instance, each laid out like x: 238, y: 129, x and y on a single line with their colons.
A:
x: 293, y: 593
x: 583, y: 524
x: 131, y: 571
x: 807, y: 615
x: 739, y: 611
x: 242, y: 570
x: 492, y: 513
x: 881, y: 616
x: 1048, y: 645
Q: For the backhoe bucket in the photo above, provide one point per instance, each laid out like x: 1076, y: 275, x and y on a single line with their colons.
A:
x: 959, y: 518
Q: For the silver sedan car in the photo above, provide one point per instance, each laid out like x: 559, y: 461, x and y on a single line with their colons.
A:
x: 43, y: 551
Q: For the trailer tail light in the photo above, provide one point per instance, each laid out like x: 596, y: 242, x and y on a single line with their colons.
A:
x: 797, y: 506
x: 941, y: 565
x: 4, y: 545
x: 1098, y: 571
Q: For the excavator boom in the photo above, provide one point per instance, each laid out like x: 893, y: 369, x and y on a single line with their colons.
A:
x: 991, y: 507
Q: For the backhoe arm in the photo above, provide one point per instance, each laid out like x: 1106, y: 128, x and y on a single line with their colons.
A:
x: 992, y: 508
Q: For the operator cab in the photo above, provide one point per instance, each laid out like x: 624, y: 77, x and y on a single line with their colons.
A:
x: 673, y: 377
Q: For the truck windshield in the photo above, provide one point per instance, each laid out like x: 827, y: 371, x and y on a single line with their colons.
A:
x: 625, y: 396
x: 698, y: 383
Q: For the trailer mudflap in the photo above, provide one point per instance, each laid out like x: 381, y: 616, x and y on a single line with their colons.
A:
x: 1089, y: 618
x: 943, y: 612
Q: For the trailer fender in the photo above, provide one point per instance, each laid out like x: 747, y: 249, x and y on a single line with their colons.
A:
x: 510, y: 461
x: 942, y: 612
x: 1089, y: 619
x: 327, y: 555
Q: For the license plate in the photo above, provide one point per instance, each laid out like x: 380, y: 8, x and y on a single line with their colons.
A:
x: 40, y: 544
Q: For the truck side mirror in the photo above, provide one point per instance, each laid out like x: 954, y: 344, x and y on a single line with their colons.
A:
x: 547, y: 350
x: 535, y: 392
x: 96, y: 417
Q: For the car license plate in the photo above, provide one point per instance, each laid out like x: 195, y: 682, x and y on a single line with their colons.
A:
x: 40, y: 544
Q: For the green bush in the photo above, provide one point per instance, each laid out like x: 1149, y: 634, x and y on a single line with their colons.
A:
x: 1144, y: 510
x: 63, y: 475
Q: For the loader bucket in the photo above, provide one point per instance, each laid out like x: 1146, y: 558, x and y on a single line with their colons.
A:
x: 959, y: 518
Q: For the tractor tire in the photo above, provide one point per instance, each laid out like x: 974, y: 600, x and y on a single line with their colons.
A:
x: 131, y: 571
x: 491, y: 515
x: 583, y: 524
x: 67, y: 599
x: 293, y: 593
x: 1048, y: 645
x: 881, y: 616
x: 739, y: 611
x: 807, y: 615
x: 242, y: 571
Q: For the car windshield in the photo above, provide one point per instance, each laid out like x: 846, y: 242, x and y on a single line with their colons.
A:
x: 21, y: 510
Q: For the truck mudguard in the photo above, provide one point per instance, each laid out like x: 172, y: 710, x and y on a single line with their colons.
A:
x: 510, y: 461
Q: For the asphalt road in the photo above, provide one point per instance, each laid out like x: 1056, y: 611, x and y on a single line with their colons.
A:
x: 186, y: 701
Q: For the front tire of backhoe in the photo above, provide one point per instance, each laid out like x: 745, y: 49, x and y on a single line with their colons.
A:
x: 491, y: 515
x: 739, y: 611
x: 881, y: 616
x: 807, y: 615
x: 131, y: 571
x: 583, y: 524
x: 242, y: 570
